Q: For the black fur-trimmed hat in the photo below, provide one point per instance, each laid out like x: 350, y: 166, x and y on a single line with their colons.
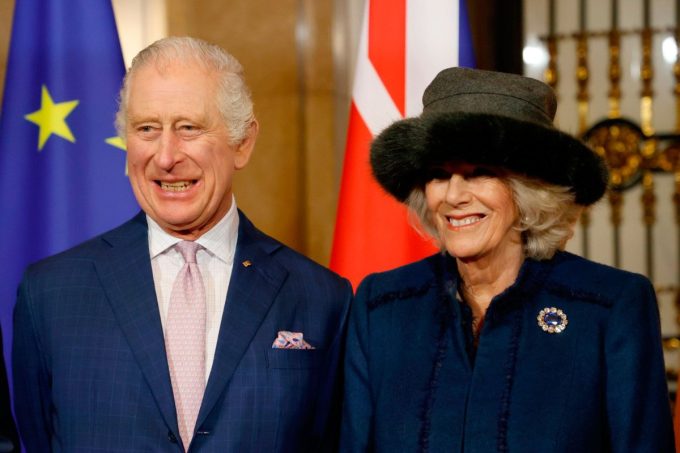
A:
x: 486, y: 118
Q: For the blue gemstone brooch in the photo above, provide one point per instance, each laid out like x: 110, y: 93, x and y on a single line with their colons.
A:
x: 552, y: 320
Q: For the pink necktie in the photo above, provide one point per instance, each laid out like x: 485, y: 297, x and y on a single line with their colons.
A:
x: 185, y: 341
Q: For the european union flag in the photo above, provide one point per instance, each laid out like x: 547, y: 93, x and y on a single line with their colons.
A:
x: 62, y: 168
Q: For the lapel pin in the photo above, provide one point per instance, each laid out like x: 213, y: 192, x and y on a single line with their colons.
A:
x: 552, y: 320
x: 247, y: 263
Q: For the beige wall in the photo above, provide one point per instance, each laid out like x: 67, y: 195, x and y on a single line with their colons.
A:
x: 289, y: 187
x: 6, y: 10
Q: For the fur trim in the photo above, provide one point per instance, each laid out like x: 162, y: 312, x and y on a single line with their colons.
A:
x: 403, y: 154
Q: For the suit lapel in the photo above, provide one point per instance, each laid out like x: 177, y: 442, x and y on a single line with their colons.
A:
x: 125, y: 273
x: 255, y: 281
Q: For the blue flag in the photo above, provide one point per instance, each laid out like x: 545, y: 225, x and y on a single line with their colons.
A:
x: 62, y: 168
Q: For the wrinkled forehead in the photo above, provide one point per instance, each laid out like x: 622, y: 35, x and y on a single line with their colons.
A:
x: 175, y: 91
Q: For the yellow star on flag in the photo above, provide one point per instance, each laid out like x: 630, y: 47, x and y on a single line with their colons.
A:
x: 51, y: 118
x: 120, y: 144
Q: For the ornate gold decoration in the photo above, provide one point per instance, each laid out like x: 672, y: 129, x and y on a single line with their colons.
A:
x: 646, y: 76
x: 618, y: 141
x: 616, y: 203
x: 582, y: 76
x: 614, y: 74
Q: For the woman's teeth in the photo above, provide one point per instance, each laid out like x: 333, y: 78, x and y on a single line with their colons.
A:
x: 465, y: 221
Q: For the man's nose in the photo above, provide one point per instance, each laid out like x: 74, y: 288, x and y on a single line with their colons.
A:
x: 169, y: 151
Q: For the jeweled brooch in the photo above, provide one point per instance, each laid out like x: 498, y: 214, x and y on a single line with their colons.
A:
x: 552, y: 320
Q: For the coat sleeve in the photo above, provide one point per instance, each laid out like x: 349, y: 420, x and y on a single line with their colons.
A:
x: 357, y: 416
x: 32, y: 395
x: 638, y: 405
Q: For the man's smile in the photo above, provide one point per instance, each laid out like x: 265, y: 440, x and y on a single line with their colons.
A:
x: 177, y: 186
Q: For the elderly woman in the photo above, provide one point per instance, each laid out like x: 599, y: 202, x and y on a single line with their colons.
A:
x: 501, y: 342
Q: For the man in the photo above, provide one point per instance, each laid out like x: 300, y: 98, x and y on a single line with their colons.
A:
x: 186, y: 328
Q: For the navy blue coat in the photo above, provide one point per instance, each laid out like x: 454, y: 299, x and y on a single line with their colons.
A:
x: 90, y: 370
x: 414, y: 383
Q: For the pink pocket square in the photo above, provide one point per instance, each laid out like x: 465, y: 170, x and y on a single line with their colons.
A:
x: 290, y: 340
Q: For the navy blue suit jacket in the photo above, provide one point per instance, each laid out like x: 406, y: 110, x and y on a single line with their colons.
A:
x: 414, y: 383
x: 90, y: 367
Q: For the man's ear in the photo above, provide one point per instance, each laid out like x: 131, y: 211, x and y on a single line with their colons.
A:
x: 245, y: 148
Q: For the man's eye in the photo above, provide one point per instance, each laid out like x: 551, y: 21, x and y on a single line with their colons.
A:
x: 188, y: 130
x: 147, y: 131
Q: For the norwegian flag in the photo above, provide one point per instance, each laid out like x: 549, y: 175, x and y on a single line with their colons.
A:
x: 404, y: 44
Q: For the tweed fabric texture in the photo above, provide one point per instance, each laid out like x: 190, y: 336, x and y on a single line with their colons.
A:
x: 473, y: 90
x: 185, y: 341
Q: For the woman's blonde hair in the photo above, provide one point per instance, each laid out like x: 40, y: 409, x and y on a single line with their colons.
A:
x: 547, y: 214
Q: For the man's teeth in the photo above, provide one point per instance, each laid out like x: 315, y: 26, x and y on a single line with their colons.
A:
x: 464, y: 221
x: 175, y: 186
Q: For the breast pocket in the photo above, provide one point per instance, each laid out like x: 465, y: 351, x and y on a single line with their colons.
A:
x: 295, y: 358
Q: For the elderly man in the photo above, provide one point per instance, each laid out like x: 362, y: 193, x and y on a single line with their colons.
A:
x: 186, y: 328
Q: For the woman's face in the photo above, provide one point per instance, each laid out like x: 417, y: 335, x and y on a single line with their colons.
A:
x: 473, y: 211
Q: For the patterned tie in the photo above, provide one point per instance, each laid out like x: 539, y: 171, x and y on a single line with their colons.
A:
x: 185, y: 341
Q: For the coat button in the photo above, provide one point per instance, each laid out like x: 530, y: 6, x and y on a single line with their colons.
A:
x: 171, y: 437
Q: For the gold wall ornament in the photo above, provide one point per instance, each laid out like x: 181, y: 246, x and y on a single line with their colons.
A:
x: 582, y: 77
x: 616, y: 202
x: 614, y: 93
x: 646, y: 77
x: 618, y: 141
x: 668, y: 161
x: 676, y: 89
x: 667, y: 158
x: 648, y: 199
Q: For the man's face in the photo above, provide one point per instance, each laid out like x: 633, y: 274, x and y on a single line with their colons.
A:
x: 180, y: 161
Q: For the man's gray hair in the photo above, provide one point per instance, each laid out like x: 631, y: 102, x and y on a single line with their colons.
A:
x: 233, y: 97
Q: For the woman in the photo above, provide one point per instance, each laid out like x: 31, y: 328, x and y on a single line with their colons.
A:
x: 502, y: 342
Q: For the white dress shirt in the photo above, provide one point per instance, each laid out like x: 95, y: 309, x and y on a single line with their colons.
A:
x: 215, y: 260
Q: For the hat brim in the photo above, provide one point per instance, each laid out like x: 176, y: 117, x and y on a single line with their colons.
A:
x: 404, y: 153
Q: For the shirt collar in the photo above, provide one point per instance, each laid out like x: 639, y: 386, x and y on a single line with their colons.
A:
x: 220, y: 240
